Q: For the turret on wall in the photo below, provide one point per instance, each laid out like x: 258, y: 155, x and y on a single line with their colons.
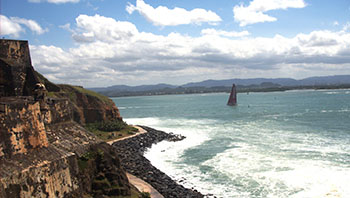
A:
x: 17, y: 76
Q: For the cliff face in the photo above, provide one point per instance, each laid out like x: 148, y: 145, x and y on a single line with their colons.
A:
x: 88, y: 107
x: 43, y: 151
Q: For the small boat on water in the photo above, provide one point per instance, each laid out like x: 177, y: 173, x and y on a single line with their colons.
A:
x: 232, y: 100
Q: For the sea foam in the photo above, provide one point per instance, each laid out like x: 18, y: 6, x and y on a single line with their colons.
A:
x: 285, y: 144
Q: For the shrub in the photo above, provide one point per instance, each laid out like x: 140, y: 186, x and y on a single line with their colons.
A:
x: 107, y: 126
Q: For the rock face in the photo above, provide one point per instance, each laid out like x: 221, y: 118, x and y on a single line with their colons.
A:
x: 88, y: 107
x: 100, y: 172
x: 42, y: 148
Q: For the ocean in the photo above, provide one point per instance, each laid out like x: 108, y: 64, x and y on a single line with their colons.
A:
x: 276, y: 144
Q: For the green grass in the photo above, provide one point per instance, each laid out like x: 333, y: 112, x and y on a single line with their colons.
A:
x: 71, y: 91
x: 105, y: 99
x: 145, y: 195
x: 83, y: 161
x: 107, y: 126
x: 108, y: 136
x: 51, y: 94
x: 134, y: 194
x: 108, y: 133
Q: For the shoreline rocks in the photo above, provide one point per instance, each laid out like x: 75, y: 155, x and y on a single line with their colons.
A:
x: 132, y: 160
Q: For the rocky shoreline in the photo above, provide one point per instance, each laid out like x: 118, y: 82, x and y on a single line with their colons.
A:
x: 131, y: 156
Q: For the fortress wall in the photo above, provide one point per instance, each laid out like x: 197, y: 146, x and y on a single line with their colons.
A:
x: 49, y: 178
x: 17, y: 76
x: 22, y: 127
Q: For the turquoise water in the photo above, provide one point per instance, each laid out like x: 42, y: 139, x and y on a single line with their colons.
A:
x: 280, y: 144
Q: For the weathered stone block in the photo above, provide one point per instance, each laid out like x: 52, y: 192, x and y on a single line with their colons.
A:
x: 58, y: 111
x: 22, y: 127
x: 53, y: 178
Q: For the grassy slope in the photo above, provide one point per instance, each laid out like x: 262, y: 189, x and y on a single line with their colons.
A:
x: 127, y: 130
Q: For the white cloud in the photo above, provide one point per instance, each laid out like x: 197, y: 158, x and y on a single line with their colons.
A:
x: 118, y: 53
x: 9, y: 27
x: 50, y: 58
x: 255, y: 12
x: 163, y: 16
x: 346, y: 27
x: 13, y: 26
x: 31, y: 24
x: 319, y: 39
x: 54, y: 1
x: 100, y: 28
x: 66, y: 27
x: 214, y: 32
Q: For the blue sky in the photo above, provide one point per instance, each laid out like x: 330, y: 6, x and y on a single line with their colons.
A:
x: 108, y: 42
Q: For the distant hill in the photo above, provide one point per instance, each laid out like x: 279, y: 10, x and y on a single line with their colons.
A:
x: 126, y: 88
x: 326, y: 80
x: 244, y: 82
x: 252, y: 84
x: 323, y: 80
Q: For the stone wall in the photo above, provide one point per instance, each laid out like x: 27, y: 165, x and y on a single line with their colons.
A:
x: 57, y: 110
x: 42, y: 150
x: 17, y: 76
x: 41, y: 146
x: 22, y: 126
x: 24, y: 122
x: 49, y: 178
x: 16, y: 51
x: 53, y: 172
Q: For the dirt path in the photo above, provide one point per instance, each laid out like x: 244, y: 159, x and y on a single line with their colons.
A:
x: 141, y: 131
x: 142, y: 186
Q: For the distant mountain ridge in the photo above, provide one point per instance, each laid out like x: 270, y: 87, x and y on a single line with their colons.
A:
x: 244, y: 82
x: 319, y: 80
x: 126, y: 88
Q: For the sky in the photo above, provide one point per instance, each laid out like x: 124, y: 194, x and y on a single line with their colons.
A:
x: 98, y: 43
